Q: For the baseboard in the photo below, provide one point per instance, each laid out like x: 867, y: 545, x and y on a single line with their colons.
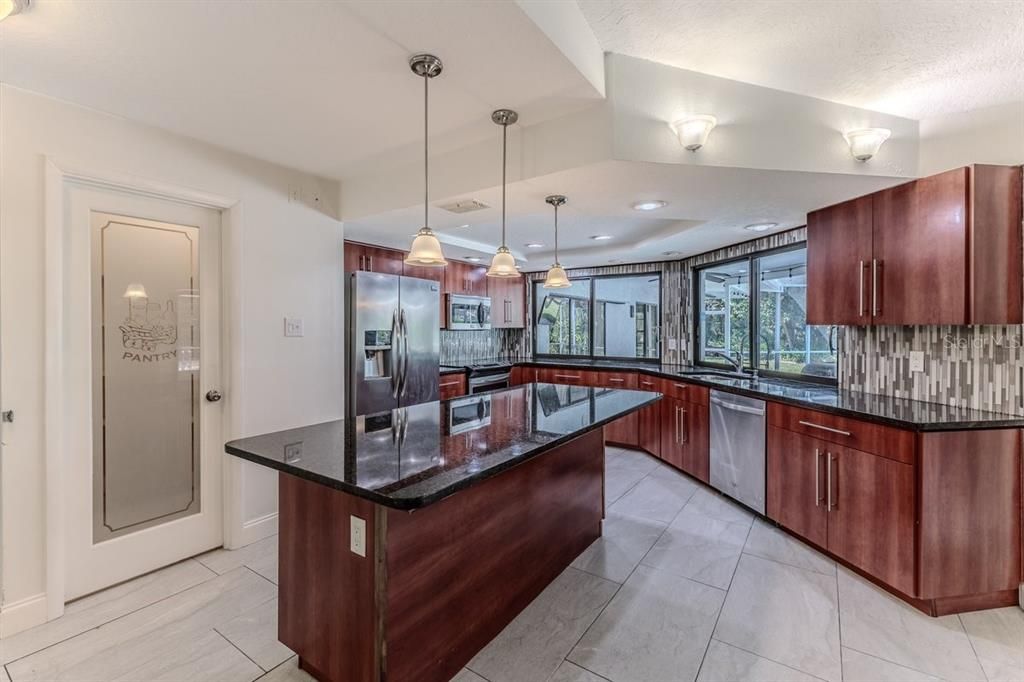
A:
x: 22, y: 614
x: 256, y: 529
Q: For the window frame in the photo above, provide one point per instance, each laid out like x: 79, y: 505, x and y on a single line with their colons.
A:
x: 754, y: 351
x: 593, y: 319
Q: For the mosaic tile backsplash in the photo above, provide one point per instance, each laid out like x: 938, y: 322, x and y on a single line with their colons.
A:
x: 980, y: 367
x: 463, y: 347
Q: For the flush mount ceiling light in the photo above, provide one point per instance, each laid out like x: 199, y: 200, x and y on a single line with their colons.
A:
x: 426, y: 250
x: 866, y: 142
x: 11, y: 7
x: 534, y: 245
x: 760, y: 227
x: 649, y: 205
x: 693, y: 131
x: 556, y: 277
x: 601, y: 237
x: 503, y: 264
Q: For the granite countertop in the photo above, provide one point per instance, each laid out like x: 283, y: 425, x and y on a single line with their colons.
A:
x: 899, y: 412
x: 450, y: 369
x: 412, y: 457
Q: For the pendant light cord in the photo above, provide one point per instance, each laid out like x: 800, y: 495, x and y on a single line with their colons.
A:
x: 504, y: 167
x: 556, y: 233
x: 426, y: 150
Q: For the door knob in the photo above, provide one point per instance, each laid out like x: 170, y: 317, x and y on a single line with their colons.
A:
x: 213, y: 396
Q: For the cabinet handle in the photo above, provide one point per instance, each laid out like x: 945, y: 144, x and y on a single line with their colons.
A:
x: 370, y: 258
x: 817, y: 478
x: 825, y: 428
x: 860, y: 281
x: 682, y: 386
x: 682, y: 425
x: 828, y: 483
x: 617, y: 381
x: 567, y: 376
x: 450, y: 383
x: 647, y: 383
x: 874, y: 286
x: 676, y: 426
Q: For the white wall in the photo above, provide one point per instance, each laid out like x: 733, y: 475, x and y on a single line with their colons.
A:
x: 991, y: 135
x: 291, y: 264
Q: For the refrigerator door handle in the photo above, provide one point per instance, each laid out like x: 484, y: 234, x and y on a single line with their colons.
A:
x: 396, y: 367
x: 405, y: 351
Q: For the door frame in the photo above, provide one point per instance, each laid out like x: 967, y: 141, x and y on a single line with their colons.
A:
x: 58, y: 177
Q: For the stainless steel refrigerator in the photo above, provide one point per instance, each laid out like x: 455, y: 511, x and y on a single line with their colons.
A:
x: 394, y: 342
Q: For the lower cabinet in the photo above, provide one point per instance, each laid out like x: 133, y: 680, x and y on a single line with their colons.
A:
x: 684, y: 436
x: 452, y: 386
x: 858, y: 505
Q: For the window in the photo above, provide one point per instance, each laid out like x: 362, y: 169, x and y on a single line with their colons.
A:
x: 621, y: 314
x: 755, y: 308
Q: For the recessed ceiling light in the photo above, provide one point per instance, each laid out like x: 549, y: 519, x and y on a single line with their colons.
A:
x: 671, y: 253
x: 464, y: 225
x: 761, y: 227
x: 649, y: 205
x: 473, y: 259
x: 601, y: 237
x: 534, y: 245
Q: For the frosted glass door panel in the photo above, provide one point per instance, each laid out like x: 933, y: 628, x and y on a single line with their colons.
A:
x: 145, y: 374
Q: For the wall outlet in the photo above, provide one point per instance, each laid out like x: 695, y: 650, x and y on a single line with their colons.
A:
x: 357, y: 533
x: 293, y: 326
x: 293, y: 452
x: 917, y: 361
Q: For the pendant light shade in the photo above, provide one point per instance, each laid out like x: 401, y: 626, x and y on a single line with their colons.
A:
x: 426, y: 249
x: 556, y: 277
x: 504, y: 263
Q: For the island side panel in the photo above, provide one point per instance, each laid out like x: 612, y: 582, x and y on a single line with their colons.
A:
x: 327, y: 610
x: 460, y: 570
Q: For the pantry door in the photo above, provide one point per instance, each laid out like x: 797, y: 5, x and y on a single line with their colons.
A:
x: 144, y: 447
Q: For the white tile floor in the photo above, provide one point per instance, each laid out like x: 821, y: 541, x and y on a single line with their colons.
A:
x: 684, y: 586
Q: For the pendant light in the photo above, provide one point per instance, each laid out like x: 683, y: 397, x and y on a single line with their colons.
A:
x: 503, y: 264
x: 556, y: 278
x: 426, y: 249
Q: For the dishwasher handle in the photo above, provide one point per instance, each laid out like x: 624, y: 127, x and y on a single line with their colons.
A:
x: 759, y: 411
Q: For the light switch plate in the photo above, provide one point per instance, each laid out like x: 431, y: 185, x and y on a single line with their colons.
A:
x: 357, y: 533
x: 917, y: 361
x: 293, y: 326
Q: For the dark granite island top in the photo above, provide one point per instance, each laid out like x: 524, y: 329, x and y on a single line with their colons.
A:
x: 412, y: 457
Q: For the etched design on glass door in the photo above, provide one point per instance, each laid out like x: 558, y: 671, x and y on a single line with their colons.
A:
x: 145, y: 374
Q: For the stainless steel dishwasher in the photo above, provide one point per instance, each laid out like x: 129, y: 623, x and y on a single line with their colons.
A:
x: 737, y: 447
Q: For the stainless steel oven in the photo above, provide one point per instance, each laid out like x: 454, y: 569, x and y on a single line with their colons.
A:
x: 489, y: 382
x: 466, y: 414
x: 469, y: 312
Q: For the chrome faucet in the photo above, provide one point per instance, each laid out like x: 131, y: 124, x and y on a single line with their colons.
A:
x: 738, y: 367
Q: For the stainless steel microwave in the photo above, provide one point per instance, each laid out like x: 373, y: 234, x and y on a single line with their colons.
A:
x: 469, y: 312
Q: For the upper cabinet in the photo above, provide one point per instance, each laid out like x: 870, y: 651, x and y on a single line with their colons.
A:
x: 508, y: 302
x: 465, y: 278
x: 945, y: 249
x: 373, y: 259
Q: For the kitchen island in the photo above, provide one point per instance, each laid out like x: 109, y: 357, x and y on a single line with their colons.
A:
x: 409, y: 539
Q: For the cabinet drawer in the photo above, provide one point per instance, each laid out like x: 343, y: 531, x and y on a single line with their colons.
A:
x: 560, y: 375
x: 885, y: 441
x: 452, y: 386
x: 605, y: 379
x: 680, y: 390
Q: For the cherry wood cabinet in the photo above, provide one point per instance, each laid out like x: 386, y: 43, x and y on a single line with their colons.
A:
x: 373, y: 259
x: 623, y: 431
x: 523, y: 375
x: 508, y: 302
x: 857, y: 505
x: 465, y: 278
x: 796, y: 484
x: 838, y: 258
x: 452, y: 385
x: 684, y: 436
x: 870, y: 507
x: 945, y: 249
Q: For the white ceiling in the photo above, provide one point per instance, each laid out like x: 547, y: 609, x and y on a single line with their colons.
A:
x: 912, y: 58
x: 317, y: 86
x: 708, y: 208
